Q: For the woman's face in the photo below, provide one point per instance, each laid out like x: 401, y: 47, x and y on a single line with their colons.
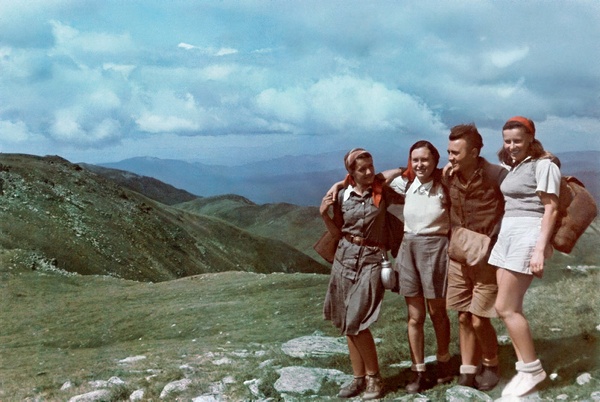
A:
x: 364, y: 172
x: 516, y: 143
x: 423, y: 164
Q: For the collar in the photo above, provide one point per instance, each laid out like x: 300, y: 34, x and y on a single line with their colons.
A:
x: 351, y: 189
x: 422, y: 188
x: 527, y: 159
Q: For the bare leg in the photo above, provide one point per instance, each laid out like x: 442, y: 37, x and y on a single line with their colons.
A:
x: 416, y: 335
x: 468, y: 340
x: 358, y: 365
x: 509, y: 305
x: 486, y: 336
x: 364, y: 344
x: 441, y: 324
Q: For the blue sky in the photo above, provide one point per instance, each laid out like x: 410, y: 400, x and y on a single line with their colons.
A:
x: 230, y: 82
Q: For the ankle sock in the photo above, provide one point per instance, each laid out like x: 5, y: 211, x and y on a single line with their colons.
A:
x: 468, y: 369
x: 419, y: 367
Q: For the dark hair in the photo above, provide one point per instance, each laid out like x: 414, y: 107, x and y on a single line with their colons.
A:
x: 469, y: 133
x: 429, y: 146
x: 536, y: 149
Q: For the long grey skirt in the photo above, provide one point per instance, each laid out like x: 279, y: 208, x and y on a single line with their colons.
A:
x: 355, y: 292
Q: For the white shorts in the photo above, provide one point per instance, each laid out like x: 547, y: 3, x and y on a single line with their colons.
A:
x: 516, y: 242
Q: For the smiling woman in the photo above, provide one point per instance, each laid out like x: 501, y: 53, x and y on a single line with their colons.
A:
x: 530, y: 190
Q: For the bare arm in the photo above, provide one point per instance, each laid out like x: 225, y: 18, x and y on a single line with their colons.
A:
x: 333, y: 224
x: 550, y: 203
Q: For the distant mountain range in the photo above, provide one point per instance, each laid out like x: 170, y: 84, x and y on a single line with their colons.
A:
x: 299, y: 180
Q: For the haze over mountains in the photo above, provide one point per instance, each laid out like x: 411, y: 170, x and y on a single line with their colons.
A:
x: 299, y: 180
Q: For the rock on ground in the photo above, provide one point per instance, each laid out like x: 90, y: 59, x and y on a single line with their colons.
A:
x: 174, y: 387
x: 315, y: 346
x: 94, y: 396
x: 303, y: 380
x: 460, y: 394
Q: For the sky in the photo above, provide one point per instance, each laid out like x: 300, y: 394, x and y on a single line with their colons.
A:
x: 229, y: 82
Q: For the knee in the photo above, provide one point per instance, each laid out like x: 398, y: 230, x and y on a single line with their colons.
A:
x: 416, y: 320
x: 438, y: 315
x: 465, y: 319
x: 480, y: 323
x: 501, y: 310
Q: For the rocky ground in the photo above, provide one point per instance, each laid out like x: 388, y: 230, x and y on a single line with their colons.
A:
x: 295, y: 383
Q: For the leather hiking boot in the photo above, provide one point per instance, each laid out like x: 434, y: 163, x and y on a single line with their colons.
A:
x: 353, y: 389
x: 487, y: 379
x: 443, y: 372
x: 418, y: 384
x: 374, y: 387
x: 467, y: 380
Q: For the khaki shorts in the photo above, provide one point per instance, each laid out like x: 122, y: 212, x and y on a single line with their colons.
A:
x: 472, y: 288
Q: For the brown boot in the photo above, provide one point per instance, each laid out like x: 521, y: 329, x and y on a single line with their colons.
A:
x: 487, y: 379
x: 418, y: 384
x: 374, y: 387
x: 353, y: 389
x: 443, y: 372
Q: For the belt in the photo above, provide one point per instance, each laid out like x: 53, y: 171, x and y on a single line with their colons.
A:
x: 361, y: 241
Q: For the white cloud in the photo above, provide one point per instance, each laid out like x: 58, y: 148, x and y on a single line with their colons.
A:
x: 124, y: 69
x: 14, y: 131
x: 164, y: 124
x: 217, y: 71
x: 350, y: 104
x: 83, y: 46
x: 186, y: 46
x: 209, y: 51
x: 503, y: 59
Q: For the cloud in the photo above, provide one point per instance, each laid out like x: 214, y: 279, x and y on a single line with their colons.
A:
x: 14, y: 132
x: 209, y: 51
x: 349, y: 104
x: 165, y: 124
x: 124, y: 69
x: 503, y: 59
x: 312, y: 74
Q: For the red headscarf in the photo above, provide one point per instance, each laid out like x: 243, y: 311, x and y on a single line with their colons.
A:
x: 524, y: 121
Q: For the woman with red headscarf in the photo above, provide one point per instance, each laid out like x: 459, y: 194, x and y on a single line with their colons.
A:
x: 530, y: 190
x: 355, y: 292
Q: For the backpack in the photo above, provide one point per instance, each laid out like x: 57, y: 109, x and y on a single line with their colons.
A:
x: 577, y: 209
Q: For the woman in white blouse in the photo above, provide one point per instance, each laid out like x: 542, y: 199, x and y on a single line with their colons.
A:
x: 422, y: 260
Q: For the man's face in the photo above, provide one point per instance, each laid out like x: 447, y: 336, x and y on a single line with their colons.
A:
x: 461, y: 156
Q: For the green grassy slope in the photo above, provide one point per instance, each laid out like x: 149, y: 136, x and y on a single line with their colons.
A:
x: 58, y: 328
x: 78, y: 221
x: 297, y: 226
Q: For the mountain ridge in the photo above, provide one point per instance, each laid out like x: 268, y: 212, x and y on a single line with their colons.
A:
x: 61, y: 214
x: 277, y: 181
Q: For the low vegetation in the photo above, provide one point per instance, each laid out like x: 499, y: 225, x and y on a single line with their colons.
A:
x: 58, y: 327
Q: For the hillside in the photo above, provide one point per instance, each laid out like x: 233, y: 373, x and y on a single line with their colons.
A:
x: 297, y: 226
x: 149, y: 186
x: 62, y: 216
